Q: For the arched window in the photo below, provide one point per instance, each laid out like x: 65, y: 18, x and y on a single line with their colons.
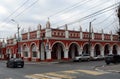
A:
x: 25, y: 51
x: 34, y: 52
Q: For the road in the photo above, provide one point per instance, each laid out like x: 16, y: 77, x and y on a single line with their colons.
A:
x: 70, y: 70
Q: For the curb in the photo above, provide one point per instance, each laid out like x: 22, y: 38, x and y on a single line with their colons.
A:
x: 41, y: 62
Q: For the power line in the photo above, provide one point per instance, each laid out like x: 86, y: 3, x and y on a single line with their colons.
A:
x: 89, y: 9
x: 105, y: 19
x: 94, y: 14
x: 15, y: 11
x: 27, y: 8
x: 70, y: 7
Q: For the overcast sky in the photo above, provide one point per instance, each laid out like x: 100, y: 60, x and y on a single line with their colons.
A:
x: 30, y: 13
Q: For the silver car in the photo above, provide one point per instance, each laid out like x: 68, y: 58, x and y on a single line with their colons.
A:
x: 82, y: 57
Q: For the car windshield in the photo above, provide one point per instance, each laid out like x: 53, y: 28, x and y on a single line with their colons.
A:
x: 85, y: 55
x: 16, y: 59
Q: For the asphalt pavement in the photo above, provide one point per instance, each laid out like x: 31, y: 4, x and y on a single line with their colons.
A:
x: 109, y: 68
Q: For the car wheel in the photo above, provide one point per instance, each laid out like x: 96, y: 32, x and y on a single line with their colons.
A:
x: 7, y: 65
x: 22, y: 66
x: 88, y: 59
x: 107, y: 63
x: 80, y: 60
x: 12, y: 65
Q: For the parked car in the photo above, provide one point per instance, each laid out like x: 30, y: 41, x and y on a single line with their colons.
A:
x: 112, y: 59
x: 99, y: 57
x: 15, y: 62
x: 82, y: 57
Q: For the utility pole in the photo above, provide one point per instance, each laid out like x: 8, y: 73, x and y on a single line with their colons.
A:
x: 119, y: 22
x: 89, y: 39
x: 18, y: 40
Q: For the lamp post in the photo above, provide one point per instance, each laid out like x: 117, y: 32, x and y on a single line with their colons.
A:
x: 89, y: 39
x: 18, y: 40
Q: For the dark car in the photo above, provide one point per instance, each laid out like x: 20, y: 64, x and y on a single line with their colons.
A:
x: 112, y: 59
x: 15, y: 62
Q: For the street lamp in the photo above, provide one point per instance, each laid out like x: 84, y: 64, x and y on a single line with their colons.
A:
x: 89, y: 39
x: 18, y: 28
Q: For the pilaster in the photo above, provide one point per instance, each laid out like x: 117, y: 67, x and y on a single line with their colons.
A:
x: 110, y: 50
x: 66, y: 31
x: 92, y: 52
x: 48, y: 53
x: 66, y: 54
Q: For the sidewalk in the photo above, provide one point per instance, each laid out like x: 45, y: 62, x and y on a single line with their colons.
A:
x: 110, y: 68
x: 33, y: 62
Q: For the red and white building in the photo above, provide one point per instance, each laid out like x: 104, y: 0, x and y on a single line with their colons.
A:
x: 59, y: 44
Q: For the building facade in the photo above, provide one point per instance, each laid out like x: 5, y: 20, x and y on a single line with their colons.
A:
x: 59, y: 44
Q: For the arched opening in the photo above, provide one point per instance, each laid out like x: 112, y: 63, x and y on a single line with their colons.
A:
x: 97, y: 50
x: 33, y: 50
x: 57, y: 51
x: 86, y: 49
x: 114, y: 51
x: 106, y: 49
x: 73, y: 50
x: 25, y: 51
x: 8, y: 54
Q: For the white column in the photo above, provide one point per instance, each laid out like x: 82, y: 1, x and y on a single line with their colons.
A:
x: 66, y: 31
x: 80, y: 51
x: 28, y: 35
x: 66, y: 34
x: 92, y: 52
x: 59, y: 53
x: 66, y: 54
x: 38, y: 53
x: 21, y: 52
x: 29, y: 52
x: 92, y: 35
x: 110, y: 50
x: 102, y: 51
x: 38, y: 34
x: 42, y: 52
x: 48, y: 53
x: 14, y: 55
x: 73, y: 53
x: 48, y: 32
x: 81, y: 35
x: 118, y: 49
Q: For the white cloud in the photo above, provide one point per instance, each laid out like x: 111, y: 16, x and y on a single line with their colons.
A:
x: 39, y: 12
x: 3, y: 10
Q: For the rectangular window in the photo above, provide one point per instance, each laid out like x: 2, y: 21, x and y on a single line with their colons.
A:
x: 34, y: 54
x: 25, y: 54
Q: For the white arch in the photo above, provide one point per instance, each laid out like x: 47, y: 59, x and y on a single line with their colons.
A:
x: 59, y: 54
x: 96, y: 53
x: 25, y: 44
x: 85, y: 44
x: 72, y: 52
x: 25, y: 50
x: 58, y: 42
x: 33, y: 43
x: 74, y: 43
x: 107, y: 44
x: 114, y: 45
x: 98, y: 44
x: 117, y: 47
x: 9, y: 52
